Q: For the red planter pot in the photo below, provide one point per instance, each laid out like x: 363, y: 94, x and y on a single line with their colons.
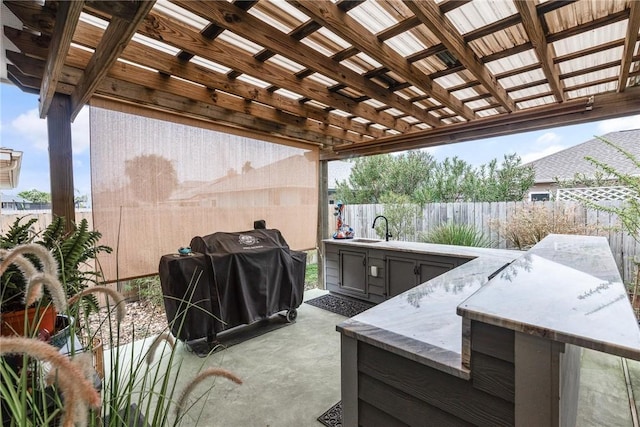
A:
x: 13, y: 322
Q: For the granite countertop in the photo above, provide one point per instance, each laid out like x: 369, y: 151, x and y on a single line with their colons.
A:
x: 566, y: 288
x: 421, y: 323
x: 572, y: 292
x: 424, y: 248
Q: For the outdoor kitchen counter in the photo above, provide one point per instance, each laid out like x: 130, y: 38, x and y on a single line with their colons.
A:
x: 565, y: 289
x: 466, y: 349
x: 421, y: 324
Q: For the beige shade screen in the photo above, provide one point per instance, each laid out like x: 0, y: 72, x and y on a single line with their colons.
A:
x: 156, y: 184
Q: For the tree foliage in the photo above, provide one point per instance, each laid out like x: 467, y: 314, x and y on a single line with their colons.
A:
x: 422, y: 179
x: 154, y: 175
x: 629, y: 212
x: 35, y: 196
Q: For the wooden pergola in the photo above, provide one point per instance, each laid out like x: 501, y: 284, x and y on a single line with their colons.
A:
x: 349, y: 78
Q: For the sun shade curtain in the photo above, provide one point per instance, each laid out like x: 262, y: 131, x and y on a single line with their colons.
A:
x: 156, y: 184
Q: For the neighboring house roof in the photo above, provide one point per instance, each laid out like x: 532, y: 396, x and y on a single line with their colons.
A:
x: 566, y: 163
x: 338, y: 171
x: 10, y: 162
x: 10, y: 198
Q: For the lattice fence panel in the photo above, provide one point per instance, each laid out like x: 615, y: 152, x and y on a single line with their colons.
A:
x: 595, y: 194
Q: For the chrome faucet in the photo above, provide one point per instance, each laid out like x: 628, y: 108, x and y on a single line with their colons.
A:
x: 386, y: 226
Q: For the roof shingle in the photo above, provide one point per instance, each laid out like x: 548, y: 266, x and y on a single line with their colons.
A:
x: 566, y: 163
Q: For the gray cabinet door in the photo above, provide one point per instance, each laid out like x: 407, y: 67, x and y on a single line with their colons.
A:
x: 427, y: 270
x: 353, y: 271
x: 401, y: 275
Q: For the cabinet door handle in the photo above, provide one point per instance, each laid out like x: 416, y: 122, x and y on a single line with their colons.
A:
x: 415, y: 270
x: 364, y: 262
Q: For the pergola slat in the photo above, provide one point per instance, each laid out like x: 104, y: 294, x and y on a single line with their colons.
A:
x: 66, y: 19
x: 245, y: 25
x: 438, y: 23
x: 629, y: 44
x: 112, y: 43
x: 352, y: 31
x: 544, y: 51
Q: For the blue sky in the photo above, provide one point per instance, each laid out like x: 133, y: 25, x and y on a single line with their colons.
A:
x: 21, y: 129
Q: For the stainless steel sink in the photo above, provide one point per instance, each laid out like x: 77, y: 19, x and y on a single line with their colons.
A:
x: 366, y: 240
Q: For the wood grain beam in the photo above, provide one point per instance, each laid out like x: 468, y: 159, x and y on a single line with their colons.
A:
x: 112, y: 43
x: 148, y: 88
x: 240, y: 22
x: 441, y: 27
x: 88, y: 35
x: 312, y: 130
x: 544, y: 51
x: 61, y: 159
x: 67, y: 18
x: 160, y: 27
x: 604, y: 106
x: 629, y: 44
x: 352, y: 31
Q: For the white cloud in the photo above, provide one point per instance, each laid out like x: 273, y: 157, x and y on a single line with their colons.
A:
x: 548, y: 138
x: 535, y: 155
x: 31, y: 128
x: 80, y: 131
x: 621, y: 123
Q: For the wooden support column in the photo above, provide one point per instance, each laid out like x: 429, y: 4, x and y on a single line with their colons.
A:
x: 323, y: 215
x: 60, y: 158
x: 349, y: 380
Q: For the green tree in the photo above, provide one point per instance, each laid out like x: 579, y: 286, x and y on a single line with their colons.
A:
x: 367, y: 182
x: 35, y: 196
x: 508, y: 182
x: 401, y: 213
x: 447, y: 183
x: 417, y: 175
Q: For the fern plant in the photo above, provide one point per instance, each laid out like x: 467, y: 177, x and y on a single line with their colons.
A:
x: 74, y: 250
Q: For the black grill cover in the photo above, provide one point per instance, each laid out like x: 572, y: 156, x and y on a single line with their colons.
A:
x: 254, y: 272
x: 190, y: 299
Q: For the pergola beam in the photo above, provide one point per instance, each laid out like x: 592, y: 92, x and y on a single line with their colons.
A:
x: 242, y: 23
x: 230, y: 56
x: 332, y: 18
x: 629, y: 45
x: 67, y: 18
x: 112, y: 43
x: 544, y: 51
x: 439, y: 24
x: 166, y: 93
x: 583, y: 110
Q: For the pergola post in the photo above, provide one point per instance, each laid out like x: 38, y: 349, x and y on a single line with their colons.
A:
x: 60, y: 158
x: 323, y: 215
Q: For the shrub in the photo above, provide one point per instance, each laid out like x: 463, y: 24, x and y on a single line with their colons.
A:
x: 401, y: 214
x: 534, y: 222
x: 148, y: 289
x: 456, y: 234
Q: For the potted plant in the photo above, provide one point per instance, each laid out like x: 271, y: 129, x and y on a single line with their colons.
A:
x: 139, y: 391
x: 73, y: 252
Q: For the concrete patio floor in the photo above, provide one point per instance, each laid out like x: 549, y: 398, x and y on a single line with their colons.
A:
x: 291, y: 376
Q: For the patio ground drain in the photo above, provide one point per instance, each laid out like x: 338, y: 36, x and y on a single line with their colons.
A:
x: 345, y: 307
x: 333, y: 417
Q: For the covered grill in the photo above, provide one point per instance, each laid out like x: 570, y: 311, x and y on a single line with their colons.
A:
x: 231, y: 279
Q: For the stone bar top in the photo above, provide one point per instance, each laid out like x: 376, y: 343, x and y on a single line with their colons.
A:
x: 421, y: 323
x: 567, y: 289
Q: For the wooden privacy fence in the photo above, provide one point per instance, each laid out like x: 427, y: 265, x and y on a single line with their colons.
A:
x: 44, y: 219
x: 491, y: 219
